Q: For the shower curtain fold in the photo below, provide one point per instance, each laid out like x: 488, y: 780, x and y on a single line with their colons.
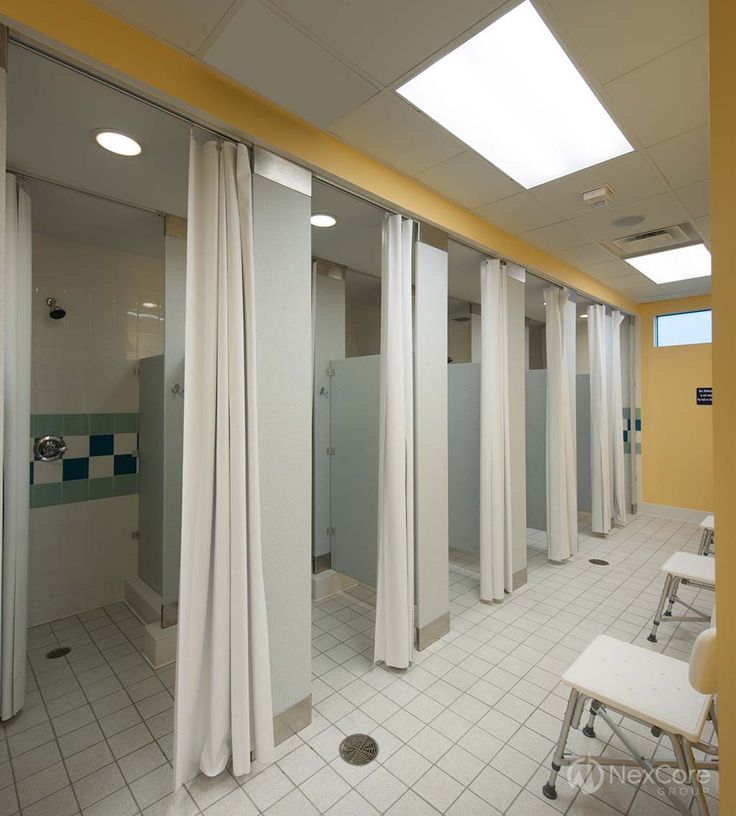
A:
x: 562, y: 501
x: 16, y: 431
x: 496, y: 576
x: 394, y: 633
x: 617, y: 423
x: 223, y: 686
x: 599, y: 345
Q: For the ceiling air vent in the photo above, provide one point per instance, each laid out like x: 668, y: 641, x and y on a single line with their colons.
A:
x: 652, y: 240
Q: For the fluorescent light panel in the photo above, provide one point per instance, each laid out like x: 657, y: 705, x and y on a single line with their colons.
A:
x: 513, y: 95
x: 671, y: 265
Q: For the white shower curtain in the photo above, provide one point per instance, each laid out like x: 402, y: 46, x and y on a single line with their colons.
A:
x: 16, y: 424
x: 496, y: 576
x: 600, y: 430
x: 394, y: 643
x: 617, y: 423
x: 562, y: 499
x: 223, y: 685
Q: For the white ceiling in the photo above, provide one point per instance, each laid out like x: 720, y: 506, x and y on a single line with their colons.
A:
x: 337, y: 65
x: 52, y: 112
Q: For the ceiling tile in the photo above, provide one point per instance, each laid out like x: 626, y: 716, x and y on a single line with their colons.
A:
x: 555, y: 237
x: 659, y: 211
x: 665, y: 97
x: 689, y: 288
x: 703, y: 225
x: 517, y: 213
x: 586, y: 255
x: 636, y: 285
x: 631, y: 177
x: 684, y: 158
x: 696, y: 198
x: 614, y: 38
x: 396, y: 133
x: 386, y: 38
x: 610, y: 269
x: 185, y: 23
x: 469, y: 180
x: 264, y: 52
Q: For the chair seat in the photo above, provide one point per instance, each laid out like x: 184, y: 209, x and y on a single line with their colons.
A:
x: 708, y: 523
x: 692, y: 567
x: 640, y: 683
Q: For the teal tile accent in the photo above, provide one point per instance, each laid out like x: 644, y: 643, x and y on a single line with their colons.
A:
x: 126, y: 423
x: 102, y: 423
x: 75, y: 491
x: 126, y: 485
x: 45, y: 495
x: 48, y: 424
x: 101, y: 488
x: 75, y: 424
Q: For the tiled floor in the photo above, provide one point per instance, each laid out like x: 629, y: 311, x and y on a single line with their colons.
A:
x: 467, y: 730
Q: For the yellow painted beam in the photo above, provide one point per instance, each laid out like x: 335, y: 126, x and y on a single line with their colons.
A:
x: 97, y: 38
x: 723, y: 296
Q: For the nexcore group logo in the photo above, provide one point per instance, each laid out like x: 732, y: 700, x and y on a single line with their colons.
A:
x: 589, y: 776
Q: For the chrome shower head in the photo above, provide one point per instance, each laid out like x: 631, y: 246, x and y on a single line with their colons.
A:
x: 55, y: 311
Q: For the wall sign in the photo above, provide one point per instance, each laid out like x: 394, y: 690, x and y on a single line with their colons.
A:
x: 704, y: 396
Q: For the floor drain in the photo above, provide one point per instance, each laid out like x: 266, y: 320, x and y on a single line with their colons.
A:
x: 358, y: 749
x: 60, y: 651
x: 599, y: 562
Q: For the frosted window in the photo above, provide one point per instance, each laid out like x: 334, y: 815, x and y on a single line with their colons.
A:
x: 684, y: 329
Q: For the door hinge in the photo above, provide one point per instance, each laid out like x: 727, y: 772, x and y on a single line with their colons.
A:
x: 330, y: 451
x: 330, y: 371
x: 135, y: 535
x: 330, y: 531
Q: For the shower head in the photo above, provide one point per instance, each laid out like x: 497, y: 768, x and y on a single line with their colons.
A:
x: 55, y: 311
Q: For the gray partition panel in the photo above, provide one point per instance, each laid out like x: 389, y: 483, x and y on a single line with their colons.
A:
x: 463, y: 416
x: 151, y: 472
x: 583, y: 458
x: 354, y: 471
x: 536, y: 449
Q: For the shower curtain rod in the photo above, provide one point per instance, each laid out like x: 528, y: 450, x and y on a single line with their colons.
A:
x: 121, y: 202
x: 34, y: 49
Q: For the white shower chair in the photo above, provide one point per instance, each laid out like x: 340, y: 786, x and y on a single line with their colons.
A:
x: 683, y: 569
x: 707, y: 536
x: 666, y: 695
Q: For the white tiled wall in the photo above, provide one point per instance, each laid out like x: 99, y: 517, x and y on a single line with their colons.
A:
x: 86, y: 362
x: 80, y: 553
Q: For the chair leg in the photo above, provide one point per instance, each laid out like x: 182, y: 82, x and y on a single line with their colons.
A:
x: 550, y: 789
x: 695, y: 783
x: 673, y: 596
x: 660, y: 608
x: 589, y: 729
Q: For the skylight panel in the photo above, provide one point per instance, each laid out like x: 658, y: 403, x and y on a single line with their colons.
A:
x: 513, y: 95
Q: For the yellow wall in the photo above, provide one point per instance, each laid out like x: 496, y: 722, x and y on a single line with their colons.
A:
x: 723, y: 248
x: 676, y: 434
x: 113, y: 48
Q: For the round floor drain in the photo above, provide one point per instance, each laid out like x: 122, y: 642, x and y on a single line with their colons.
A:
x: 358, y: 749
x: 60, y: 651
x: 599, y: 562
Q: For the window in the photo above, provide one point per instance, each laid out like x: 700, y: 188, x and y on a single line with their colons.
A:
x: 683, y: 329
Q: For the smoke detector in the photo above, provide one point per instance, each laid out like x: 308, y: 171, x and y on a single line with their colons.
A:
x: 600, y: 197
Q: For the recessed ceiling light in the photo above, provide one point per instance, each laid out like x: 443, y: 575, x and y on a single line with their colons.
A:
x: 500, y: 91
x: 117, y: 142
x: 584, y: 316
x: 148, y: 305
x: 323, y: 220
x: 671, y: 265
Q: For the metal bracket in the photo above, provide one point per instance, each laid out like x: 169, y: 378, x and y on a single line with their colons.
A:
x: 330, y: 451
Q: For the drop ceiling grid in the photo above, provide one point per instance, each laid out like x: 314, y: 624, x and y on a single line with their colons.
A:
x: 647, y: 62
